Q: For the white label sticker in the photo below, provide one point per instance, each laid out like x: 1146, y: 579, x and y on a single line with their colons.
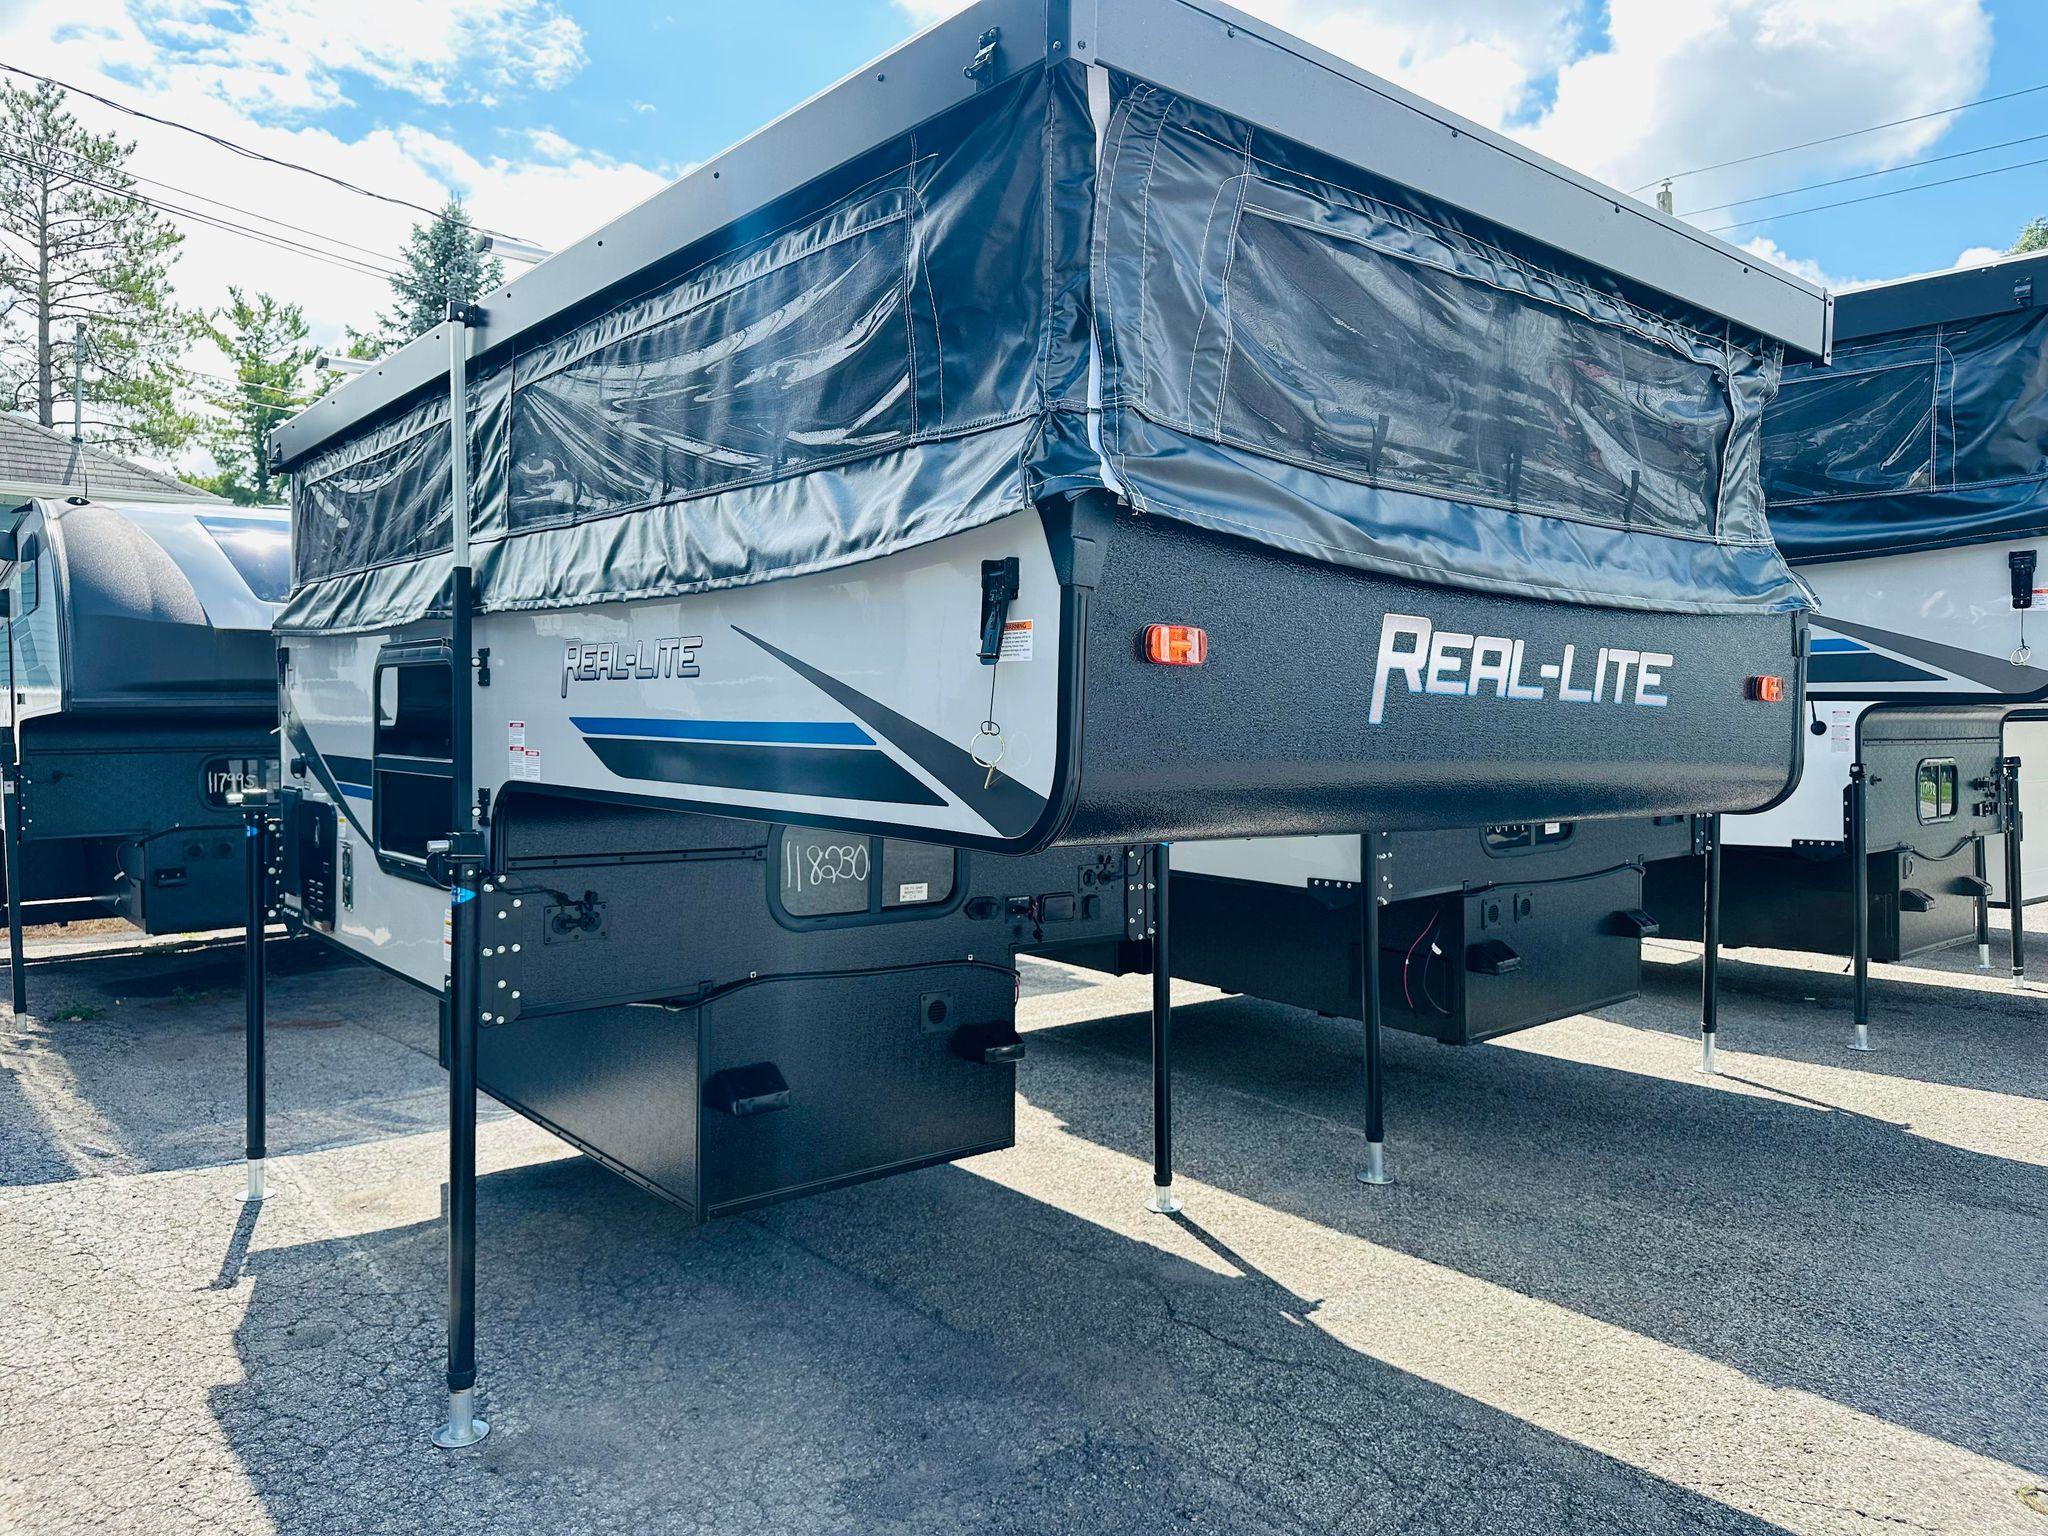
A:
x: 532, y: 768
x: 1841, y: 730
x: 917, y: 891
x: 1016, y: 641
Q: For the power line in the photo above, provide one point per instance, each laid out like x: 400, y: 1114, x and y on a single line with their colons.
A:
x: 1890, y: 170
x: 82, y: 173
x: 1849, y: 202
x: 213, y: 221
x: 233, y: 148
x: 1833, y: 138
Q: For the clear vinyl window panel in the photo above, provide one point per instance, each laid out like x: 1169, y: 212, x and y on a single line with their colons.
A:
x: 1870, y: 424
x: 1424, y: 379
x: 381, y: 499
x: 799, y: 354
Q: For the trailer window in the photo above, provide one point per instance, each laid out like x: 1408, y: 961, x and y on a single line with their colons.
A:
x: 849, y: 877
x: 1939, y: 788
x: 415, y: 745
x: 29, y: 572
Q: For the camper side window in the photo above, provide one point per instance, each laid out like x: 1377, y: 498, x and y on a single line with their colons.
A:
x: 31, y: 584
x: 415, y: 768
x: 1939, y: 785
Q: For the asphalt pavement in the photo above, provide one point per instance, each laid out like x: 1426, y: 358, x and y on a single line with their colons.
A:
x: 1606, y: 1295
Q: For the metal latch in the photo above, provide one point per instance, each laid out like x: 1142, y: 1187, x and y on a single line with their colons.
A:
x: 984, y: 64
x: 999, y: 583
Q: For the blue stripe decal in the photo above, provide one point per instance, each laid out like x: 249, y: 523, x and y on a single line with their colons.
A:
x: 840, y: 733
x: 353, y: 791
x: 1825, y: 643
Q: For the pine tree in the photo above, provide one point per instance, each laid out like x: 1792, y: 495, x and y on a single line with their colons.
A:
x: 444, y: 261
x: 265, y: 343
x: 2033, y: 238
x: 77, y: 244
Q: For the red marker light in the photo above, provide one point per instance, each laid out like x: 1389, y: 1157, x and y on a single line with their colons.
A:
x: 1765, y: 690
x: 1176, y: 645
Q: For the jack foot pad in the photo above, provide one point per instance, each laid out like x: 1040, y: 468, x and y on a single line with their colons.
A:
x: 463, y: 1428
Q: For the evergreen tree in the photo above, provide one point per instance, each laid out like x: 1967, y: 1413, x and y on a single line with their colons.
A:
x: 2033, y: 238
x: 77, y: 245
x: 444, y: 261
x: 265, y: 343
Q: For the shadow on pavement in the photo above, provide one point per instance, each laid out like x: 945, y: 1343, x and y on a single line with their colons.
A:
x: 932, y: 1353
x: 134, y: 1064
x: 1818, y: 1250
x: 1992, y: 1040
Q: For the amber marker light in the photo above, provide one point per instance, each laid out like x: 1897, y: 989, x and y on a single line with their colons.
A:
x: 1176, y: 645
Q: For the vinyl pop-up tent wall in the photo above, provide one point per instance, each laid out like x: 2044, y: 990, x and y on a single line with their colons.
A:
x: 886, y: 474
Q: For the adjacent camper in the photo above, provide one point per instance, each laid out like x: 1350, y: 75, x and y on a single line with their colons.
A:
x: 141, y: 688
x: 1908, y: 481
x: 713, y: 657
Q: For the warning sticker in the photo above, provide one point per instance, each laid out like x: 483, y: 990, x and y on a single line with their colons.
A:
x: 1016, y: 641
x: 919, y: 890
x: 515, y: 749
x: 1841, y: 730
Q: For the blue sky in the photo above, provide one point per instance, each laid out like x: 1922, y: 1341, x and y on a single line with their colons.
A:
x: 552, y: 116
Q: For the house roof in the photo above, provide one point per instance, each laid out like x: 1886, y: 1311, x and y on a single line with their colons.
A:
x: 35, y: 461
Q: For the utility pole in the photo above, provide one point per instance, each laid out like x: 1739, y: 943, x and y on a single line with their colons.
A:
x: 78, y: 383
x: 1664, y: 196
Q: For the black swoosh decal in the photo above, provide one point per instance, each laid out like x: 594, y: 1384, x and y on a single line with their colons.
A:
x: 832, y: 772
x: 302, y: 743
x: 1992, y: 671
x: 1001, y: 801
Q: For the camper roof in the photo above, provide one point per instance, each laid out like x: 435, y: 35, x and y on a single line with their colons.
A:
x: 1994, y: 287
x: 1199, y: 49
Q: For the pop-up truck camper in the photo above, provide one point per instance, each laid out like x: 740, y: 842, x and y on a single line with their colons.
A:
x: 714, y: 656
x: 1908, y: 481
x: 141, y: 688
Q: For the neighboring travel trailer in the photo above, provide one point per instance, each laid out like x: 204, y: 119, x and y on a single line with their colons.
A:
x: 1908, y: 481
x: 1083, y: 429
x: 142, y: 689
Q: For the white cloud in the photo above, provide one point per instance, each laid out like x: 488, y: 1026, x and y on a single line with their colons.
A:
x: 289, y: 56
x: 1763, y: 248
x: 1716, y: 80
x: 175, y: 57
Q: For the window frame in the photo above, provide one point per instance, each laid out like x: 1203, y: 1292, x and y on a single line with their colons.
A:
x: 876, y: 910
x: 385, y: 764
